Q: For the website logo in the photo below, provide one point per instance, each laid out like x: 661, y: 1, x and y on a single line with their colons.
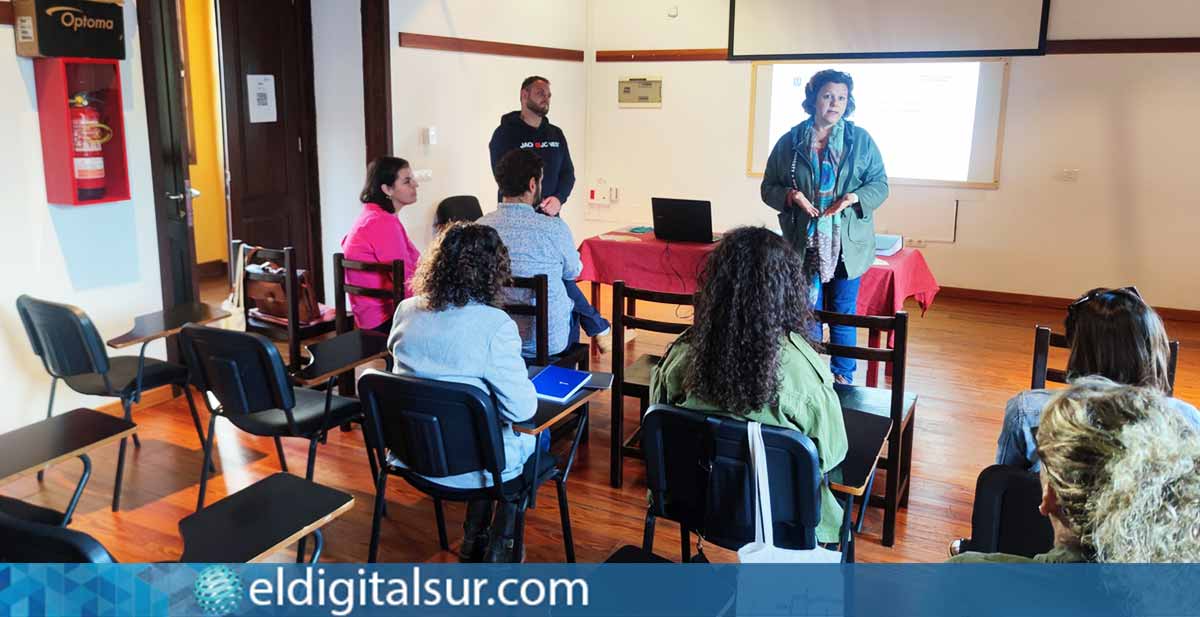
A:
x: 218, y: 590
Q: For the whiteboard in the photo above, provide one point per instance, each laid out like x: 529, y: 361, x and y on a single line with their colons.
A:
x: 796, y: 29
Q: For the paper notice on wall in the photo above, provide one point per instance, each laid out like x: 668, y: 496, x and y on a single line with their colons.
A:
x: 260, y: 94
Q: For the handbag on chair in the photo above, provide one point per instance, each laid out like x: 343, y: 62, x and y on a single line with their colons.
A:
x: 270, y: 297
x: 763, y: 549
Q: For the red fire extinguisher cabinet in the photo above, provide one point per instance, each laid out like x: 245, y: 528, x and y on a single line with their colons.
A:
x: 83, y: 130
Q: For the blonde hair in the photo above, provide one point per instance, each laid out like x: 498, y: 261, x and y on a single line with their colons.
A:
x: 1126, y: 472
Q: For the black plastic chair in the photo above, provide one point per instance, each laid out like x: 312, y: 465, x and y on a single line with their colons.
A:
x: 1044, y: 339
x: 634, y: 379
x: 440, y: 429
x: 71, y: 349
x: 1005, y: 516
x: 699, y: 473
x: 246, y: 374
x: 457, y: 208
x: 24, y: 541
x: 894, y: 403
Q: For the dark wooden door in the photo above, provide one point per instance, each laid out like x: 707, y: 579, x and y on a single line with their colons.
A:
x: 163, y: 82
x: 271, y: 162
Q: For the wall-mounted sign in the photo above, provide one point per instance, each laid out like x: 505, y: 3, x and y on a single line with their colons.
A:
x: 260, y: 94
x: 639, y: 92
x: 69, y: 28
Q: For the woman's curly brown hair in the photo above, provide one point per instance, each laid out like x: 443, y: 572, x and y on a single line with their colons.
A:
x: 753, y: 293
x: 466, y: 263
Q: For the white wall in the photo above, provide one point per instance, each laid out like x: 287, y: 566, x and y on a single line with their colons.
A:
x: 463, y: 95
x: 1128, y: 122
x: 102, y: 258
x: 341, y: 136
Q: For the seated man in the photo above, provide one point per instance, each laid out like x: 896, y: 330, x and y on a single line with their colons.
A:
x: 536, y: 244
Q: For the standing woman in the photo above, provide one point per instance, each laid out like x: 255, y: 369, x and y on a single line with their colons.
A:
x: 378, y: 236
x: 826, y: 178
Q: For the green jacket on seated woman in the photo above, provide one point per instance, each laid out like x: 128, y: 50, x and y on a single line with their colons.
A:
x: 807, y: 403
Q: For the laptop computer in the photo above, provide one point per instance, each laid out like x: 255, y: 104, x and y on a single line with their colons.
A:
x: 682, y: 220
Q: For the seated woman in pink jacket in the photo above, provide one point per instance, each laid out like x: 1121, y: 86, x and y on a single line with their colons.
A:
x: 378, y: 236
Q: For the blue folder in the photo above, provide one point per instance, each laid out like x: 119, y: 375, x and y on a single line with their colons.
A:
x: 558, y: 384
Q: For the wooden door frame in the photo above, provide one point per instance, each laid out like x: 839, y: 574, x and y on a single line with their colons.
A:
x: 308, y: 134
x: 178, y: 285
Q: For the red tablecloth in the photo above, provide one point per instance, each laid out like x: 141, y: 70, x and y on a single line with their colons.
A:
x: 643, y: 261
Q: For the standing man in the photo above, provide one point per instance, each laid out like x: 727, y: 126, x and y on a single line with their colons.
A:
x: 529, y: 129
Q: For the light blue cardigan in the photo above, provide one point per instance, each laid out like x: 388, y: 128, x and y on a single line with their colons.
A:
x: 477, y: 345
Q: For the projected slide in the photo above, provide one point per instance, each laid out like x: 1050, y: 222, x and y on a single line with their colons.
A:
x: 932, y: 121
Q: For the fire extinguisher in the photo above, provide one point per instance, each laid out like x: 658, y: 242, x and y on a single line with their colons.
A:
x: 88, y: 136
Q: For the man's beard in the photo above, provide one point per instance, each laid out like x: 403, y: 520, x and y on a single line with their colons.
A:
x: 540, y: 111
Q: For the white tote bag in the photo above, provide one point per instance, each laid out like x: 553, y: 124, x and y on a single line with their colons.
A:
x: 763, y: 549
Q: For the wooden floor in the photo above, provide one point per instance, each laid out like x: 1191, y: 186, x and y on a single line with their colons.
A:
x: 966, y: 358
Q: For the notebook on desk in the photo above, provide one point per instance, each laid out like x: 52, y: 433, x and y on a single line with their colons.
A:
x: 558, y: 384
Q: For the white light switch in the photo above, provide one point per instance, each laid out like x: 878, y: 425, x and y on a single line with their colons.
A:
x: 423, y: 175
x: 429, y: 135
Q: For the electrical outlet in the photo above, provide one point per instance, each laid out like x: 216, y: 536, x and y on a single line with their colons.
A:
x: 598, y: 196
x: 423, y: 175
x: 614, y: 194
x: 920, y: 244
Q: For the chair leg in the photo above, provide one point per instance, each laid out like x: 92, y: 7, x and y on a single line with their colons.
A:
x: 128, y: 406
x: 308, y: 475
x: 116, y: 500
x: 617, y: 438
x: 187, y: 392
x: 648, y: 534
x: 866, y: 500
x: 312, y: 458
x: 83, y: 480
x: 906, y: 471
x: 846, y: 532
x: 41, y: 475
x: 891, y: 496
x: 318, y: 545
x: 519, y: 533
x: 685, y: 544
x: 279, y: 451
x: 377, y: 517
x: 443, y: 541
x: 208, y: 445
x: 565, y: 514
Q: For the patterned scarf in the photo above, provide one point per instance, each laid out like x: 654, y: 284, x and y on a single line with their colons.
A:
x: 824, y: 233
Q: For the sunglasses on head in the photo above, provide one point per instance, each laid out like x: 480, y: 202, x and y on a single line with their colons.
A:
x: 1128, y: 291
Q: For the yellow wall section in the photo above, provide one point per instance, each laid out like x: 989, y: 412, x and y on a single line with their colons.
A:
x: 212, y: 241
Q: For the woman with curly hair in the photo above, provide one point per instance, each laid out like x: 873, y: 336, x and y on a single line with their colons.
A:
x: 452, y: 330
x: 748, y: 354
x: 1120, y: 478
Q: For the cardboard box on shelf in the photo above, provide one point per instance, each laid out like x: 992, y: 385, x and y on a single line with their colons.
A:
x: 69, y: 28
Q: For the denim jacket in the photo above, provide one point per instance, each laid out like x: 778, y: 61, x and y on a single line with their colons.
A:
x: 1017, y: 444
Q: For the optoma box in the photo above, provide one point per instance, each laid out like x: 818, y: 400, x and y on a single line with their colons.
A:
x: 69, y: 28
